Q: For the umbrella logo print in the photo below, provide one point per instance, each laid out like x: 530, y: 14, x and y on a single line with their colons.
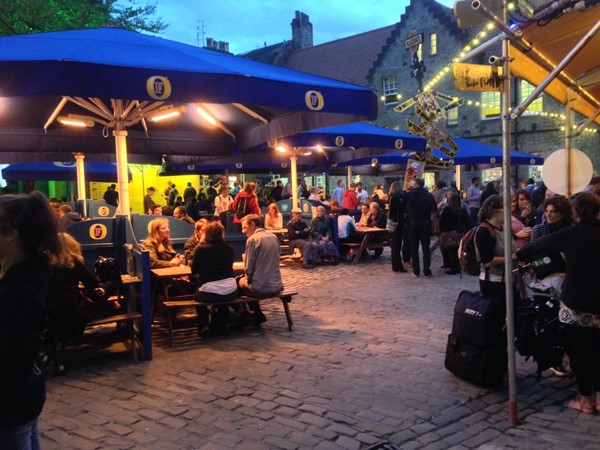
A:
x: 98, y: 232
x: 314, y: 100
x: 158, y: 87
x: 339, y: 141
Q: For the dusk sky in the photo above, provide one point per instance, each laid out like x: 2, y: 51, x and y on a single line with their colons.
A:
x: 248, y: 25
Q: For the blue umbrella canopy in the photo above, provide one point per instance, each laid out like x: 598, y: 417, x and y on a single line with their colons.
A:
x: 60, y: 171
x: 471, y: 152
x: 122, y: 80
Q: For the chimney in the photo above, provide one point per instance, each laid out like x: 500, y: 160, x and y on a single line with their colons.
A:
x: 209, y: 42
x: 302, y: 31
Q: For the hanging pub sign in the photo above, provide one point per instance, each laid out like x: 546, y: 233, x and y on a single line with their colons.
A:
x: 477, y: 77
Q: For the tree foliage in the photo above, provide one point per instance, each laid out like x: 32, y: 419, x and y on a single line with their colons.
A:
x: 34, y: 16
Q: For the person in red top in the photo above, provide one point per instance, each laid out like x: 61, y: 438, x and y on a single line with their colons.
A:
x: 244, y: 203
x: 350, y: 198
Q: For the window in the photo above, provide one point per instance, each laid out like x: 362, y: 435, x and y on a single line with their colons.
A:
x: 390, y: 89
x: 490, y: 105
x: 452, y: 116
x: 537, y: 105
x: 420, y: 52
x: 433, y: 43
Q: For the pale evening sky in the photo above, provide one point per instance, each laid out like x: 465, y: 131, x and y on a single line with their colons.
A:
x: 247, y: 25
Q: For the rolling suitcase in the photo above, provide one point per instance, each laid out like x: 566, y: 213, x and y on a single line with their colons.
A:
x: 476, y: 349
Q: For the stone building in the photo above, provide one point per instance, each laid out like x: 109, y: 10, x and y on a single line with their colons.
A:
x: 385, y: 60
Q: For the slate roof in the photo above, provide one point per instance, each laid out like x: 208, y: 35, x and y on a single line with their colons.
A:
x: 348, y: 59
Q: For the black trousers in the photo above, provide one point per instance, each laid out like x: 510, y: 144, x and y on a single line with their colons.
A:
x: 396, y: 248
x: 584, y: 353
x: 420, y: 234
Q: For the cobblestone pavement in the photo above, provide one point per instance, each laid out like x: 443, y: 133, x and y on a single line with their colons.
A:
x: 364, y: 365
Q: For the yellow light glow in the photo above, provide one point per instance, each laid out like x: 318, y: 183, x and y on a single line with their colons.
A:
x: 281, y: 149
x: 206, y: 116
x: 81, y: 122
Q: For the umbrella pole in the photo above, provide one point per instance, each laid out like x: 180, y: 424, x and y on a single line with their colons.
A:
x: 294, y: 175
x: 349, y: 176
x: 123, y: 180
x: 457, y: 176
x: 508, y: 278
x: 79, y: 157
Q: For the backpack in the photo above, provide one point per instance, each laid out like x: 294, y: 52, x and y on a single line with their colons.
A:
x: 468, y: 256
x: 242, y: 208
x: 107, y: 271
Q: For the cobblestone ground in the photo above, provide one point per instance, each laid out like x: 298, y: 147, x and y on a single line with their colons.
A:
x: 364, y: 365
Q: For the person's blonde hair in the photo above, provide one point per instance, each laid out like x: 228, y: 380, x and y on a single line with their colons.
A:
x: 153, y: 232
x: 69, y: 254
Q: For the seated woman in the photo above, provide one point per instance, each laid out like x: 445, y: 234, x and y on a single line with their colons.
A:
x: 66, y: 320
x: 212, y: 267
x: 158, y: 244
x: 273, y: 218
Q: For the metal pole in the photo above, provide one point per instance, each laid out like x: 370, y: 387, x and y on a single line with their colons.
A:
x: 294, y: 175
x: 506, y: 180
x: 79, y: 157
x: 349, y: 177
x: 123, y: 180
x: 568, y: 125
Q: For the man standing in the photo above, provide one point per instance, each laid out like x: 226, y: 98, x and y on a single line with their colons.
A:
x: 338, y: 193
x: 189, y: 192
x: 262, y: 277
x: 148, y: 202
x: 276, y: 192
x: 474, y: 200
x: 361, y: 194
x: 420, y: 205
x: 111, y: 196
x: 173, y: 194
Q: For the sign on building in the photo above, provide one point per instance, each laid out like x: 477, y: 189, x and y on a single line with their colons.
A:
x: 477, y: 78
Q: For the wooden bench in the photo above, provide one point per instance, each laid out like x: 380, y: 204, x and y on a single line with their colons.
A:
x: 188, y: 301
x: 126, y: 318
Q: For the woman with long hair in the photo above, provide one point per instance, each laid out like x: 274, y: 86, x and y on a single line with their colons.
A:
x: 273, y: 218
x: 158, y: 244
x: 397, y: 210
x: 454, y: 222
x: 28, y: 236
x: 212, y: 268
x: 521, y: 217
x: 65, y: 319
x: 580, y: 297
x: 244, y: 203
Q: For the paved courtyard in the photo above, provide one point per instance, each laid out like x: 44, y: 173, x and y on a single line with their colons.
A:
x: 365, y: 365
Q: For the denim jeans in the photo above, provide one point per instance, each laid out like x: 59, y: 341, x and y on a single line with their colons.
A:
x: 23, y: 437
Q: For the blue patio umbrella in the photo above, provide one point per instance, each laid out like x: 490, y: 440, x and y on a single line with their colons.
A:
x: 471, y: 152
x: 60, y: 171
x: 317, y: 149
x: 123, y: 80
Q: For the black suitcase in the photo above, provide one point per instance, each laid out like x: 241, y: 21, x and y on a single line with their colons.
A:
x: 476, y: 349
x: 483, y: 366
x: 478, y: 320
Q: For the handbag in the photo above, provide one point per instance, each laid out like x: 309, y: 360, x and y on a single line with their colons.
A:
x: 391, y: 225
x: 435, y: 224
x: 450, y: 239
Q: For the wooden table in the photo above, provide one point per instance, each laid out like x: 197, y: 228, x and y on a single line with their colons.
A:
x: 368, y: 234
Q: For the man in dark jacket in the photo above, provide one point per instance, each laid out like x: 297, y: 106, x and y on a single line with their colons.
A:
x: 111, y: 196
x: 420, y: 205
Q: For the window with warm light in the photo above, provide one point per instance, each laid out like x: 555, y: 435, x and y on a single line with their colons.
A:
x: 420, y: 52
x: 433, y: 43
x: 537, y: 105
x: 490, y: 105
x: 390, y: 89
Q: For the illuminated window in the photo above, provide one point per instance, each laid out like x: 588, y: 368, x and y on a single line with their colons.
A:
x: 452, y: 116
x: 537, y: 105
x: 390, y: 89
x: 420, y: 52
x: 490, y: 105
x: 433, y: 41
